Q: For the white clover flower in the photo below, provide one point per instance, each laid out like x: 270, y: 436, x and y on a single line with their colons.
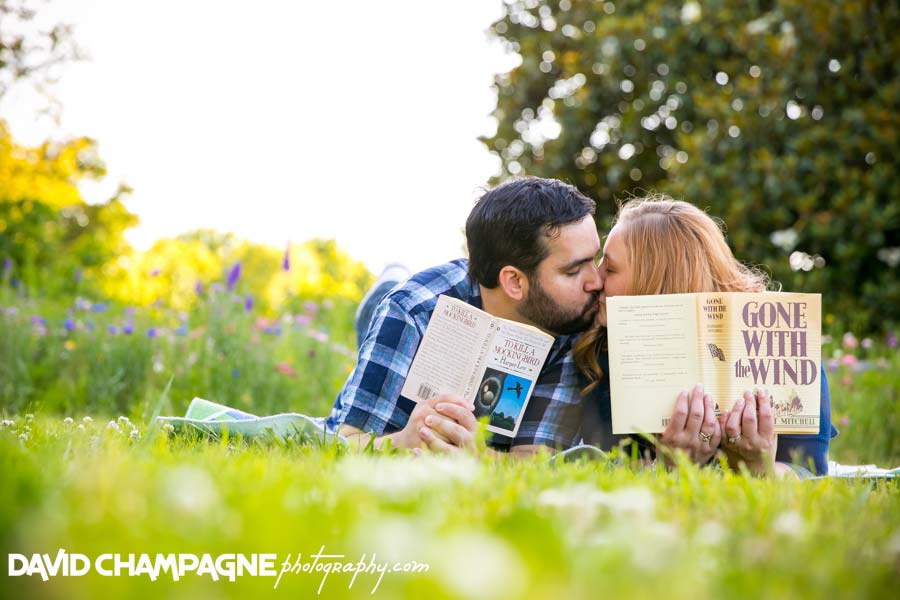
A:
x: 87, y: 420
x: 68, y: 420
x: 710, y: 533
x: 26, y: 428
x: 134, y: 434
x: 497, y: 572
x: 29, y: 417
x: 113, y: 426
x: 789, y: 523
x: 398, y: 477
x: 123, y: 419
x: 7, y: 423
x: 23, y: 437
x: 168, y: 427
x: 80, y: 427
x: 190, y: 489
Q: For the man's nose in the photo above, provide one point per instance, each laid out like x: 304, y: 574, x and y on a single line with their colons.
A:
x: 595, y: 283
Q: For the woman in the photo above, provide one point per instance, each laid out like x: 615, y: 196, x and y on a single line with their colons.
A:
x: 663, y: 246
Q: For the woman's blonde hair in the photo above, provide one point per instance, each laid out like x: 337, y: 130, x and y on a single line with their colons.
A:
x: 672, y: 247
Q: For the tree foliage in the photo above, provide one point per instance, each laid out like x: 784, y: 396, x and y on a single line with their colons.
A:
x: 781, y: 117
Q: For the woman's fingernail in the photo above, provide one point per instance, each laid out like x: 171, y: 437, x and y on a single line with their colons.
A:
x: 440, y: 406
x: 699, y: 388
x: 429, y: 420
x: 425, y: 431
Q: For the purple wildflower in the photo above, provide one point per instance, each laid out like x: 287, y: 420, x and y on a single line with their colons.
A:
x: 111, y: 330
x: 248, y: 302
x: 14, y: 282
x: 99, y: 307
x: 891, y: 340
x: 235, y: 373
x: 152, y: 332
x: 76, y: 275
x: 233, y: 275
x: 128, y: 328
x: 286, y: 259
x: 155, y: 272
x: 35, y: 320
x: 68, y: 324
x: 198, y: 287
x: 310, y: 307
x: 7, y: 265
x: 181, y: 329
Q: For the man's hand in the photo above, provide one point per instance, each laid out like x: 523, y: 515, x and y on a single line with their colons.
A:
x: 443, y: 423
x: 693, y: 426
x: 449, y: 427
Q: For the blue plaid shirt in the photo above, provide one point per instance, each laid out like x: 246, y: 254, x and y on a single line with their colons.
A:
x: 370, y: 399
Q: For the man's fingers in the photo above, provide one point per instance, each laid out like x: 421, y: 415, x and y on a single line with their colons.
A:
x: 448, y: 429
x: 460, y: 414
x: 434, y: 443
x: 766, y: 418
x: 451, y: 399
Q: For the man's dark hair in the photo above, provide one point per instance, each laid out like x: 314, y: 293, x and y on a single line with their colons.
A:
x: 509, y: 224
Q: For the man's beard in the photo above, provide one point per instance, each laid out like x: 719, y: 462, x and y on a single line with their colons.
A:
x: 543, y: 311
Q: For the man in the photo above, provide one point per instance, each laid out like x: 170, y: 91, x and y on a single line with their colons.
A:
x: 532, y: 245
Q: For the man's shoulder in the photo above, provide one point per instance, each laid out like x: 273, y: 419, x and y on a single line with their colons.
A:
x: 420, y: 292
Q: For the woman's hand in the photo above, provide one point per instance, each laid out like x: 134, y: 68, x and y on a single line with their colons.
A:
x: 749, y: 433
x: 693, y: 427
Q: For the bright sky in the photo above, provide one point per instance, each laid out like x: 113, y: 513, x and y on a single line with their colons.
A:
x: 285, y: 120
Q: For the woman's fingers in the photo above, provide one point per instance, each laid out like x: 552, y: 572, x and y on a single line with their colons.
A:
x: 679, y: 415
x: 696, y: 411
x: 766, y: 418
x: 733, y: 424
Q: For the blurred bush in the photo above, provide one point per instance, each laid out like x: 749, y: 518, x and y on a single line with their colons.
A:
x: 779, y: 117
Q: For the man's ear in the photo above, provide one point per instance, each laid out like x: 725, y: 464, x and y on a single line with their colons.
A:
x: 513, y: 282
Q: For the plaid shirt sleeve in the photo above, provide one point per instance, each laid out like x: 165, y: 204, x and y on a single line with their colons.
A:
x: 553, y: 415
x: 370, y: 399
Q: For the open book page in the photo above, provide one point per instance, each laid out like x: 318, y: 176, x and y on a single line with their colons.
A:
x: 652, y: 357
x: 516, y: 355
x: 776, y: 345
x: 453, y: 346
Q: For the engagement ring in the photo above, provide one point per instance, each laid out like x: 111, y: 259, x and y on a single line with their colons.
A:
x: 705, y: 437
x: 735, y: 439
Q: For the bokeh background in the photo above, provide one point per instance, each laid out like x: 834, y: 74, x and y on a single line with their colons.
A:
x: 253, y: 168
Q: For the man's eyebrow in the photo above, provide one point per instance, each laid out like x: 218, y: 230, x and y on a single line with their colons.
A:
x: 576, y: 263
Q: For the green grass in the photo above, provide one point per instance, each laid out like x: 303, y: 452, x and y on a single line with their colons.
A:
x: 486, y: 528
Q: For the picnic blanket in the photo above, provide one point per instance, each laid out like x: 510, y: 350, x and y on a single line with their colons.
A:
x: 215, y: 420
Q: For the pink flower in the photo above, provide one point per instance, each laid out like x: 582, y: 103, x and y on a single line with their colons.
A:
x: 844, y: 421
x: 849, y: 341
x: 286, y: 369
x: 848, y: 360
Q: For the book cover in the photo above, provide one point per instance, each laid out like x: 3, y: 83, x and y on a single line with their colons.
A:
x: 490, y: 361
x: 730, y: 342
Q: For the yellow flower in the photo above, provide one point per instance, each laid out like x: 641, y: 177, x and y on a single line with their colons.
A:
x: 69, y: 345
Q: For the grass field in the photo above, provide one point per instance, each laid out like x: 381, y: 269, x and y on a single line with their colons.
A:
x: 84, y: 470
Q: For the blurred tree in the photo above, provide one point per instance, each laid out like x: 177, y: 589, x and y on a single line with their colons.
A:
x: 179, y: 271
x: 781, y: 117
x: 53, y: 240
x: 30, y: 48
